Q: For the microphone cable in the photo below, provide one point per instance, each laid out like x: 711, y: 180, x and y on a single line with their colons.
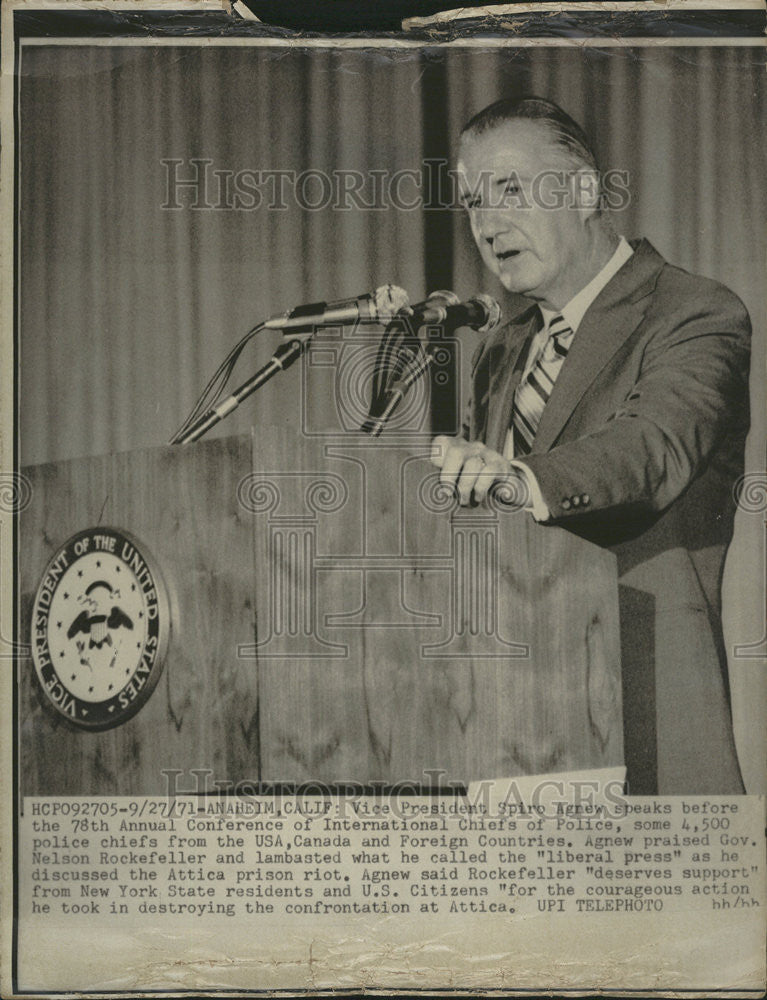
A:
x: 211, y: 394
x: 399, y: 346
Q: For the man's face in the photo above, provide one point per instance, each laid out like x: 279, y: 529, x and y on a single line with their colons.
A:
x: 509, y: 176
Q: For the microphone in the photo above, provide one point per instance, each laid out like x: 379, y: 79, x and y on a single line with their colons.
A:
x: 375, y: 307
x: 481, y: 312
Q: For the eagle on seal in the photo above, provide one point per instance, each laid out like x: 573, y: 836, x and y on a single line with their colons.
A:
x: 97, y: 626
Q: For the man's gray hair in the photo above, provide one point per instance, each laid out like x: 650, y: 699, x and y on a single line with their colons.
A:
x: 564, y: 131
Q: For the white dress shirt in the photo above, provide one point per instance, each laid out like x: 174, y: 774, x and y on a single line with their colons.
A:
x: 572, y: 314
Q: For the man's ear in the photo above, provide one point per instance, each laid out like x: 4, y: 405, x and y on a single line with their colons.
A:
x: 586, y: 190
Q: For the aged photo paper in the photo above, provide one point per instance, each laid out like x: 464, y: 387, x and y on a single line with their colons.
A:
x: 383, y: 514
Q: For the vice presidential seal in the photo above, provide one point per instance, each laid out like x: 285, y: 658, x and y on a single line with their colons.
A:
x: 100, y: 626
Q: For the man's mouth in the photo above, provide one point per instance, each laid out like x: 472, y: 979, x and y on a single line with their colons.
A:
x: 508, y: 254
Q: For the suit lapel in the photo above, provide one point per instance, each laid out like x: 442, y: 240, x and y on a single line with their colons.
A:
x: 609, y: 321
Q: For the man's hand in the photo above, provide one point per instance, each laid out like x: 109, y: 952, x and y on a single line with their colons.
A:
x: 473, y: 468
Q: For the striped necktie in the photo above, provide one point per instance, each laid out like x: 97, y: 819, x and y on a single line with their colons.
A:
x: 533, y: 392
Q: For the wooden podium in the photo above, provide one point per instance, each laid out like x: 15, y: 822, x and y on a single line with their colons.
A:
x: 336, y: 618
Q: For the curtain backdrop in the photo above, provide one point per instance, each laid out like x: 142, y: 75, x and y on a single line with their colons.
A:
x: 126, y: 306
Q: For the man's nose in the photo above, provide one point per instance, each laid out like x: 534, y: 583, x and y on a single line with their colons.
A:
x: 491, y: 223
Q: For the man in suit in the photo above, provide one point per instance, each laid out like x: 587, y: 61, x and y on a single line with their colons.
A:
x: 616, y: 406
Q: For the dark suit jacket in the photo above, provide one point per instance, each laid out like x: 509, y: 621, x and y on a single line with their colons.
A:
x: 638, y: 450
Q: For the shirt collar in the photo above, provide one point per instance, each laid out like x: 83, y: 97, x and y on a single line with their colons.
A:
x: 576, y: 308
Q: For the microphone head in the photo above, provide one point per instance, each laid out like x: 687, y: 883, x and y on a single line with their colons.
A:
x: 492, y: 311
x: 388, y: 300
x: 448, y: 297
